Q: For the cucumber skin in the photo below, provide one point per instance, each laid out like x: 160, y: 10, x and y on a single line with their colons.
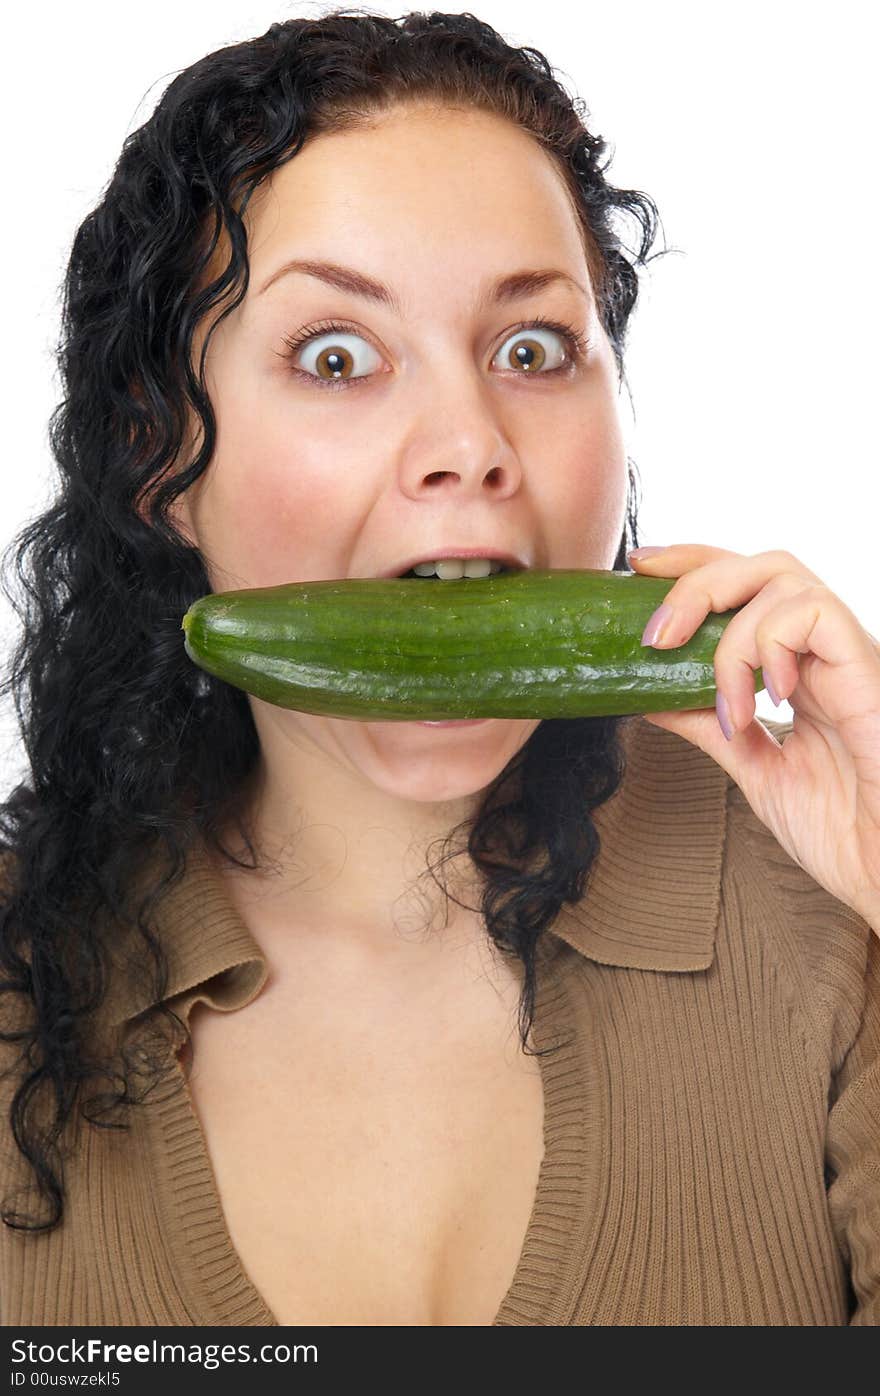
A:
x: 533, y: 644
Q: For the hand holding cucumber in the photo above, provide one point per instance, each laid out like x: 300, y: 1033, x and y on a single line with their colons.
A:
x: 819, y: 792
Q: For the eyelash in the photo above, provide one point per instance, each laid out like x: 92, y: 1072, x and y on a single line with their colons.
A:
x: 578, y: 347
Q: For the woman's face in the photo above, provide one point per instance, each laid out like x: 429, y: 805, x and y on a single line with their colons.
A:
x: 435, y: 439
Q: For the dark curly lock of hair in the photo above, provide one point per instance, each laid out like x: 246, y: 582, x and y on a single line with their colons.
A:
x: 122, y: 732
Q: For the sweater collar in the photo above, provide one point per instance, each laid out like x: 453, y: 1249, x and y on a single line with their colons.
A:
x: 652, y: 901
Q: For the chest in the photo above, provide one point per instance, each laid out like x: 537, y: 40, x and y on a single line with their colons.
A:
x: 373, y: 1167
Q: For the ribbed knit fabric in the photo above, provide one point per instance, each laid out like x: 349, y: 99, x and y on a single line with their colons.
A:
x: 711, y: 1115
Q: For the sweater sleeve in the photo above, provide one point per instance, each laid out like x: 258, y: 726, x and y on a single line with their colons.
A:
x: 831, y: 957
x: 853, y: 1152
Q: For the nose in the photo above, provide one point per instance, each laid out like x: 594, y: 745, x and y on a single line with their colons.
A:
x: 458, y: 442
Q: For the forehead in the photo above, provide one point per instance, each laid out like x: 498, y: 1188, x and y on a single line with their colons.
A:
x: 433, y: 192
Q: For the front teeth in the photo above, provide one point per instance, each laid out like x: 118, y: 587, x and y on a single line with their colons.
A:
x: 452, y: 568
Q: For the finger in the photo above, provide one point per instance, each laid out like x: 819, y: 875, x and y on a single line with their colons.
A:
x: 685, y: 557
x: 812, y: 622
x: 721, y: 585
x: 748, y: 759
x: 734, y: 681
x: 677, y: 559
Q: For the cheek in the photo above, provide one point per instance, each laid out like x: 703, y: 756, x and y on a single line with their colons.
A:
x: 273, y: 507
x: 288, y: 525
x: 583, y: 487
x: 592, y: 512
x: 273, y: 514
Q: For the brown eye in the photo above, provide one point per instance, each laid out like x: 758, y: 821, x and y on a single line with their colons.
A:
x: 335, y: 362
x: 332, y: 355
x: 530, y: 349
x: 528, y: 354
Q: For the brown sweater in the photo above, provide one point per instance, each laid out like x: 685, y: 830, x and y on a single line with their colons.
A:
x: 712, y: 1117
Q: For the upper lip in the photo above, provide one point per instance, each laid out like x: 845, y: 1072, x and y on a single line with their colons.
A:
x: 442, y: 553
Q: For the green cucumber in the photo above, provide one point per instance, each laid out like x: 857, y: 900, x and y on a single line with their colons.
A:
x: 531, y: 644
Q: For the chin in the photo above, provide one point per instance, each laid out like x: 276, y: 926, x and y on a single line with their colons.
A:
x: 439, y: 764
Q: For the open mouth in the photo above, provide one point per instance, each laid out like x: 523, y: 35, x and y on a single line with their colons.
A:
x: 454, y: 569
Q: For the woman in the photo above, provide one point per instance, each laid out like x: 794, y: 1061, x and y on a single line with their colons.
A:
x: 626, y: 1073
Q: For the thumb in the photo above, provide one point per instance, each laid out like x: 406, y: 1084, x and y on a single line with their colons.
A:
x: 746, y: 757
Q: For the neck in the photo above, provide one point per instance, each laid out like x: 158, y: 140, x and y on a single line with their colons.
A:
x: 350, y: 862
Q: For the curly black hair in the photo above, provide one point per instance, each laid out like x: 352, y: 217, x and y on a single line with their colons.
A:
x: 122, y: 732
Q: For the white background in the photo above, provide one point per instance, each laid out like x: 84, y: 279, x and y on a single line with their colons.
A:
x: 752, y: 358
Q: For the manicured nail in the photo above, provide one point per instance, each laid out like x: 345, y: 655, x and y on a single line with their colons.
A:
x: 656, y: 623
x: 772, y: 691
x: 724, y: 715
x: 640, y: 553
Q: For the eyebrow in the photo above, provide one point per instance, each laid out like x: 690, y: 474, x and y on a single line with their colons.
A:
x: 511, y: 287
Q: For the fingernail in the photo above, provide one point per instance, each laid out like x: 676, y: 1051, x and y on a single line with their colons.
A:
x: 656, y: 623
x: 640, y: 553
x: 772, y: 691
x: 723, y: 715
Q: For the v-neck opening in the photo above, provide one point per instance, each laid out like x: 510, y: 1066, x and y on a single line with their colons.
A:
x: 217, y: 1287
